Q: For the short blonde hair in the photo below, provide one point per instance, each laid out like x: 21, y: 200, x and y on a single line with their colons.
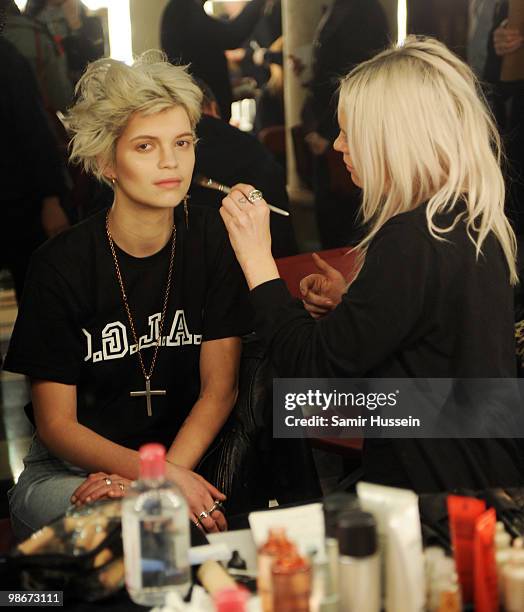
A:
x: 419, y: 130
x: 109, y: 92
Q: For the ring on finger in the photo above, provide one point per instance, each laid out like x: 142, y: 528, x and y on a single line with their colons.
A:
x: 203, y: 515
x: 122, y: 487
x: 216, y: 506
x: 108, y: 481
x: 255, y: 195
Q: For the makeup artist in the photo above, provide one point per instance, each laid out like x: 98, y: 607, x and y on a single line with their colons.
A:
x: 433, y: 298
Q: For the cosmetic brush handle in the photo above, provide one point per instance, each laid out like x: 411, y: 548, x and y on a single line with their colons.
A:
x: 211, y: 184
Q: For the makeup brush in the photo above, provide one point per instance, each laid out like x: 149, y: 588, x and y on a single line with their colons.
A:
x: 209, y: 183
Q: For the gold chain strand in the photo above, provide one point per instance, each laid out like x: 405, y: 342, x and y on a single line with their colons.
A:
x: 147, y: 376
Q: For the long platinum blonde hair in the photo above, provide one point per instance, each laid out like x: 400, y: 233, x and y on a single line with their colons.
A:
x: 110, y: 92
x: 419, y: 130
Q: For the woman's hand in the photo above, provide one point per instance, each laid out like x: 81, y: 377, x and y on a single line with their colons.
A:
x: 322, y: 292
x: 99, y: 486
x: 248, y: 226
x: 506, y: 40
x: 201, y: 496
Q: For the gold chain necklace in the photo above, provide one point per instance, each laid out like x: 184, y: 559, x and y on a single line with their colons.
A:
x: 147, y: 375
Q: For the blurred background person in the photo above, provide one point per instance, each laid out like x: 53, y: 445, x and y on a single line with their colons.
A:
x: 230, y: 156
x: 34, y: 41
x: 350, y: 32
x: 80, y: 36
x: 190, y: 36
x: 31, y: 169
x: 260, y: 60
x: 480, y: 20
x: 507, y: 101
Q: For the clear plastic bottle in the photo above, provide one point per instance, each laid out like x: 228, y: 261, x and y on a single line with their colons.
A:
x: 155, y: 531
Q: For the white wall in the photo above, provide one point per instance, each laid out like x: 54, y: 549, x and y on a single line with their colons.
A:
x: 145, y: 24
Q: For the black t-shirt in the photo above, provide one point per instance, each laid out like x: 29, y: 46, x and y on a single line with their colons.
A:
x: 420, y: 307
x: 72, y: 327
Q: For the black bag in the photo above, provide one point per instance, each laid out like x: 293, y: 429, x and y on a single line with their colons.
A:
x: 237, y: 462
x: 246, y: 463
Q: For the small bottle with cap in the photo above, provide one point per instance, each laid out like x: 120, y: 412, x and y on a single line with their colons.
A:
x: 503, y: 553
x: 277, y: 545
x: 231, y: 600
x: 334, y: 505
x: 291, y: 578
x: 513, y: 578
x: 155, y: 532
x: 359, y: 562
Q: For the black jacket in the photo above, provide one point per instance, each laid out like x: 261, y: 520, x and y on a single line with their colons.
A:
x: 190, y: 36
x: 30, y: 167
x: 352, y: 32
x: 420, y: 308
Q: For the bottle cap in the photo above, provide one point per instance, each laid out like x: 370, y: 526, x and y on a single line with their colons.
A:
x: 236, y: 561
x: 277, y: 542
x: 231, y: 600
x: 357, y: 534
x: 502, y: 539
x: 334, y: 505
x: 152, y: 461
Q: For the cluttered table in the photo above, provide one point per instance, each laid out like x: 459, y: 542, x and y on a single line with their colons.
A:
x: 383, y: 546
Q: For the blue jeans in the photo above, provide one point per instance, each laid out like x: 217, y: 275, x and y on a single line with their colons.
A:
x: 43, y: 491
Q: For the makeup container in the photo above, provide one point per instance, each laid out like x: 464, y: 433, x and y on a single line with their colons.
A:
x: 276, y: 546
x: 463, y: 513
x: 400, y: 540
x: 443, y: 590
x: 485, y: 569
x: 231, y: 600
x: 503, y: 552
x: 513, y: 579
x: 291, y: 577
x: 334, y: 505
x: 324, y: 596
x: 359, y: 563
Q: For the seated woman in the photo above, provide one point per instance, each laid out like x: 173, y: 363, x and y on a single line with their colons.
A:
x: 433, y: 298
x: 130, y: 321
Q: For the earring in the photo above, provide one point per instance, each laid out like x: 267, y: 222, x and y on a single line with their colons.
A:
x: 186, y: 211
x: 113, y: 181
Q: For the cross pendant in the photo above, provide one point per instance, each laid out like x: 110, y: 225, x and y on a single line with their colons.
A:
x: 147, y: 394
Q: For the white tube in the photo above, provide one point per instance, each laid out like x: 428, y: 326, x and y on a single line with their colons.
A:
x: 400, y: 539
